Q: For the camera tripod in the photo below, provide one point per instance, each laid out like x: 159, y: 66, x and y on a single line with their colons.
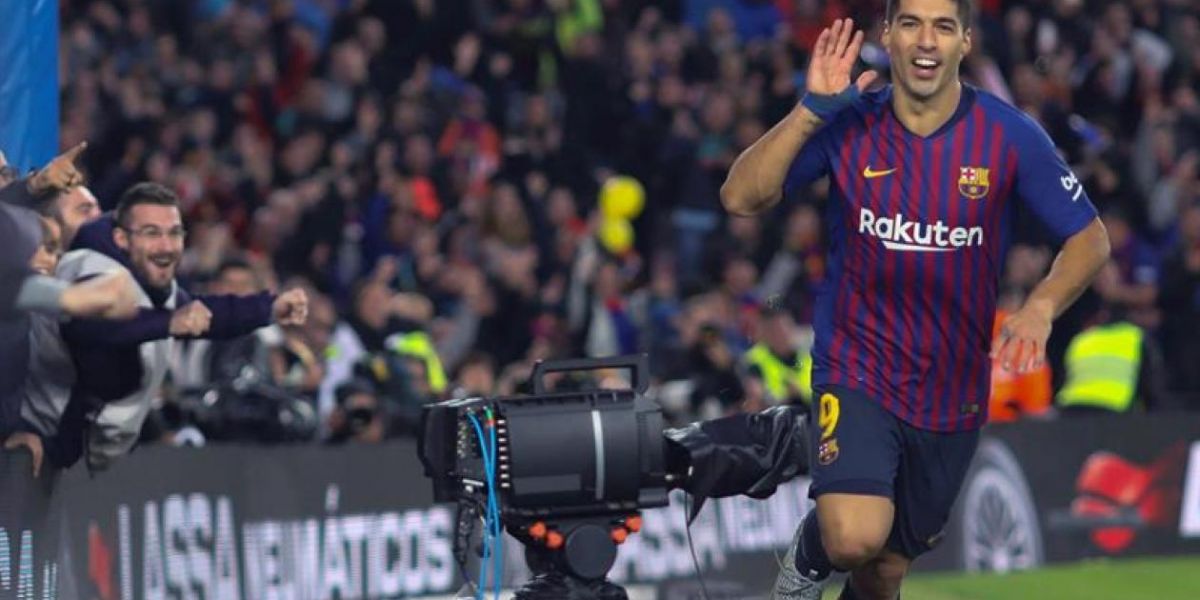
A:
x: 568, y: 558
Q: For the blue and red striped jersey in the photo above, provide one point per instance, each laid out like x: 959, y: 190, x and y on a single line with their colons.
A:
x: 918, y: 230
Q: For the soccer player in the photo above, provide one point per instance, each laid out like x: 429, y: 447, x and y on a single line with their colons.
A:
x: 925, y: 175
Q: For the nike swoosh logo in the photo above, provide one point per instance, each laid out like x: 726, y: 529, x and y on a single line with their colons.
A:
x: 869, y: 174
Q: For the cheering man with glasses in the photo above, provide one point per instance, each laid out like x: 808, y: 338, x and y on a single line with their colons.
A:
x: 118, y: 368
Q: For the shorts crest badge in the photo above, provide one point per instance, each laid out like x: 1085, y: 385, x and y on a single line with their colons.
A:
x: 827, y: 452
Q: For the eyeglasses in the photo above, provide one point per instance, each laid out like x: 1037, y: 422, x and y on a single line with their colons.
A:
x: 175, y: 234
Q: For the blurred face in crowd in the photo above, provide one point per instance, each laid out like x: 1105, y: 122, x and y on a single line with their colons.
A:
x: 1027, y: 85
x: 1118, y: 21
x: 372, y: 304
x: 7, y: 173
x: 478, y: 378
x: 1026, y: 265
x: 74, y: 209
x: 803, y: 228
x: 777, y: 333
x: 45, y: 258
x: 748, y: 131
x: 1118, y: 228
x: 418, y: 155
x: 236, y: 280
x: 719, y: 113
x: 322, y: 320
x: 363, y: 422
x: 745, y: 229
x: 508, y: 219
x: 418, y: 376
x: 608, y: 281
x: 1189, y: 225
x: 561, y: 206
x: 740, y: 275
x: 153, y: 237
x: 926, y: 40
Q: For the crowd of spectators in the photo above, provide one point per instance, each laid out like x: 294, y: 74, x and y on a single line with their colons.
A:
x: 429, y: 171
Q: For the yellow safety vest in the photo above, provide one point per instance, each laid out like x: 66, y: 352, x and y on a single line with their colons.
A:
x: 418, y: 344
x: 1102, y: 367
x: 776, y: 373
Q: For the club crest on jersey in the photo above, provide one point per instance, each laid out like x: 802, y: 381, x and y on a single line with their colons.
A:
x: 973, y: 182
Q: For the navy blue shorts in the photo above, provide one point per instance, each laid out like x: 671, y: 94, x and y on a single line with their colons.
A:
x: 858, y: 447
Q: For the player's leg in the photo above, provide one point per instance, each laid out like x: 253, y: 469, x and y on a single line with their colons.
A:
x: 880, y: 578
x: 855, y: 454
x: 931, y: 472
x: 854, y: 527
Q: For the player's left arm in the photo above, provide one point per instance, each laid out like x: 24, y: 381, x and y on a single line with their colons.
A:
x: 1056, y: 196
x: 1021, y: 344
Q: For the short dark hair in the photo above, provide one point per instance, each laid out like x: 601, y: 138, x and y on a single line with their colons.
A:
x: 146, y: 192
x: 47, y: 205
x: 233, y: 264
x: 966, y: 11
x: 478, y: 357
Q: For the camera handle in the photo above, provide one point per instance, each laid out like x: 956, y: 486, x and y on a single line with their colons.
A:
x: 639, y: 364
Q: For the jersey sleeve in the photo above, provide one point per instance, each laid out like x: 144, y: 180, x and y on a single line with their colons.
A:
x: 1046, y: 185
x: 811, y: 163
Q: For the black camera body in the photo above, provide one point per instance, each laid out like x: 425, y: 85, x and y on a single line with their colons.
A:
x: 559, y: 454
x: 572, y: 470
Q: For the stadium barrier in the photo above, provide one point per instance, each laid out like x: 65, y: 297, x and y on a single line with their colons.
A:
x: 302, y: 523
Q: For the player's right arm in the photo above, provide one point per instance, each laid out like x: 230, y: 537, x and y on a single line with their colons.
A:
x: 755, y: 181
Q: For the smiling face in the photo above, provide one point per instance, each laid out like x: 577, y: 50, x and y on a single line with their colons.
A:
x: 152, y: 235
x: 45, y: 258
x: 74, y: 209
x: 926, y: 41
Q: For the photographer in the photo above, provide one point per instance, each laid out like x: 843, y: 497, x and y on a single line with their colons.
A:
x: 358, y: 416
x: 120, y: 368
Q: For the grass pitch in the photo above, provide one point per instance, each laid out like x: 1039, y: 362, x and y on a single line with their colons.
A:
x: 1154, y: 578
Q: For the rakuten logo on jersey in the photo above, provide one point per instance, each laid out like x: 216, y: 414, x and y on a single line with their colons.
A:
x: 913, y: 236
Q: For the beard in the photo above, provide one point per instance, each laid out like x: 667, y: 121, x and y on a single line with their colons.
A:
x: 158, y: 270
x: 925, y: 84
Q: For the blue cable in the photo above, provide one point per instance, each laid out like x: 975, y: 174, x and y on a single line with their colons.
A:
x: 488, y: 527
x: 492, y: 523
x: 498, y: 568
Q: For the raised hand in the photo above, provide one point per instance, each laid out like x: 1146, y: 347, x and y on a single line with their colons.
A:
x: 61, y: 173
x: 290, y: 307
x: 833, y: 59
x: 192, y: 320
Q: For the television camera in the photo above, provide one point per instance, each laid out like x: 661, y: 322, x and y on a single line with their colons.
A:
x: 567, y: 473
